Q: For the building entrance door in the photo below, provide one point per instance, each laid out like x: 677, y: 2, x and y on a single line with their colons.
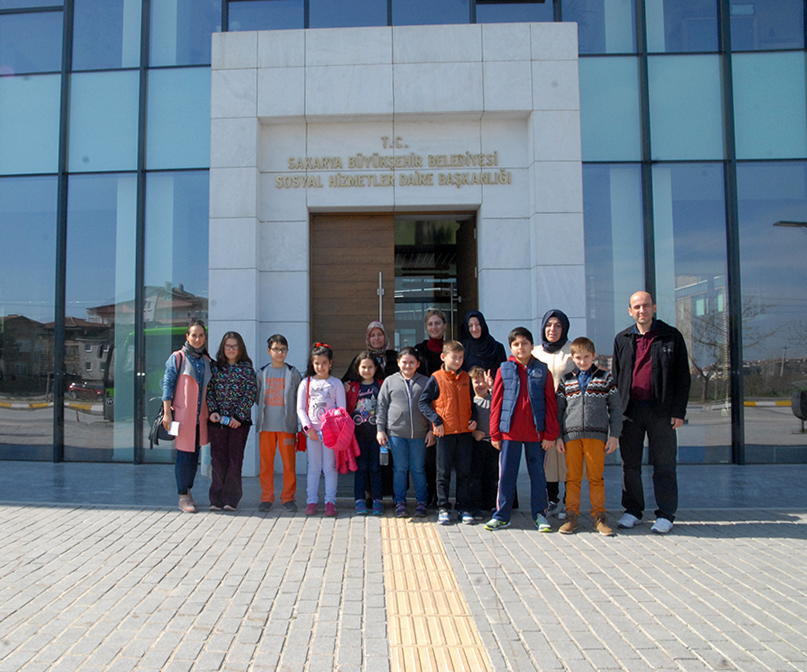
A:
x: 394, y: 266
x: 352, y: 280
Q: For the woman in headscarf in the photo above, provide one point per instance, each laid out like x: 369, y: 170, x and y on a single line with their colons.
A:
x: 481, y: 349
x: 380, y: 348
x: 555, y: 352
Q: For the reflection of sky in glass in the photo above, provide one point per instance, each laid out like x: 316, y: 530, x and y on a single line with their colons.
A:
x: 177, y: 207
x: 266, y: 15
x: 100, y: 241
x: 773, y: 259
x: 180, y: 31
x: 30, y: 43
x: 425, y: 12
x: 339, y: 13
x: 28, y: 241
x: 507, y: 12
x: 106, y: 34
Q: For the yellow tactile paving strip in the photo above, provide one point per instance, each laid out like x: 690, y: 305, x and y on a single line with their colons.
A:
x: 430, y: 625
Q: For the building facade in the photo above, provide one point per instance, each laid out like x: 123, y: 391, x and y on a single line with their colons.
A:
x: 306, y: 166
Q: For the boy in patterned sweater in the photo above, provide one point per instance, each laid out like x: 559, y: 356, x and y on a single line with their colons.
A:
x: 589, y: 410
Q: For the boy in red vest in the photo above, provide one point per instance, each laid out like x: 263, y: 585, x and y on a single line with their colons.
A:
x: 447, y: 402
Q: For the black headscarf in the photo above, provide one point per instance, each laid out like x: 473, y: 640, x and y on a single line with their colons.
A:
x: 564, y: 333
x: 484, y: 351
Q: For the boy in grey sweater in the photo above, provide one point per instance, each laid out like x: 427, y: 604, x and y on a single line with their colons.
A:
x: 589, y: 410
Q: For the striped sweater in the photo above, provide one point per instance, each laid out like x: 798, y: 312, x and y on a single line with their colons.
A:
x: 593, y: 414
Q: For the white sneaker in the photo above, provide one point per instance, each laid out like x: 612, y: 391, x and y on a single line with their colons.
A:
x: 628, y: 521
x: 662, y: 526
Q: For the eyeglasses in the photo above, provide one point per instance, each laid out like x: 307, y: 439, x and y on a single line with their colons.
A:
x: 230, y: 347
x: 279, y: 349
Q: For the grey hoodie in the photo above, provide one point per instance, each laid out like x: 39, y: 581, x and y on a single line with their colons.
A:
x: 397, y: 413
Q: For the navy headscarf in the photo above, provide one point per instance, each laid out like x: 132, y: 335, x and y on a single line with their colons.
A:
x: 564, y: 333
x: 484, y: 351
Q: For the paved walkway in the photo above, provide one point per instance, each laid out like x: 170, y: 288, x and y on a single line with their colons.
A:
x: 99, y: 571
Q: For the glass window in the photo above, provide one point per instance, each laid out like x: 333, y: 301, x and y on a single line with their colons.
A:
x: 603, y: 26
x: 28, y: 234
x: 773, y: 247
x: 29, y: 124
x: 178, y: 134
x: 508, y: 12
x: 686, y: 107
x: 266, y: 14
x: 610, y: 117
x: 423, y: 12
x: 762, y: 24
x: 681, y: 25
x: 30, y: 43
x: 176, y: 280
x: 180, y: 31
x: 346, y: 13
x: 20, y: 4
x: 769, y: 105
x: 614, y: 248
x: 103, y: 121
x: 691, y: 293
x: 106, y: 34
x: 99, y: 313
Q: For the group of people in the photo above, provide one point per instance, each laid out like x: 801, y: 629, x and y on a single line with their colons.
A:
x: 442, y: 408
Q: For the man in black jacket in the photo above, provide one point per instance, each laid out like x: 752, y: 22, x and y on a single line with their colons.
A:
x: 651, y: 369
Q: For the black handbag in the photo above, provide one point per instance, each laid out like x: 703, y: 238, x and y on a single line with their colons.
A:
x: 158, y: 431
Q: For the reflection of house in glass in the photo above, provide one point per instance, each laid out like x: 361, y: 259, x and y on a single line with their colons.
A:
x: 702, y: 318
x: 26, y: 356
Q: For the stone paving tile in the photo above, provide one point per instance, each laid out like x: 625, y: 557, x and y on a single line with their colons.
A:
x: 103, y: 588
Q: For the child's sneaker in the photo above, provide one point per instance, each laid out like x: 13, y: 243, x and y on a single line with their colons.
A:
x: 421, y: 511
x: 330, y: 509
x: 361, y: 507
x: 310, y: 510
x: 400, y: 510
x: 478, y: 515
x: 495, y: 524
x: 570, y: 526
x: 553, y: 508
x: 542, y: 523
x: 628, y: 521
x: 378, y: 507
x: 444, y: 517
x: 467, y: 518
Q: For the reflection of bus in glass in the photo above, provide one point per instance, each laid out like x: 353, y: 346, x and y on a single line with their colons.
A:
x: 161, y: 341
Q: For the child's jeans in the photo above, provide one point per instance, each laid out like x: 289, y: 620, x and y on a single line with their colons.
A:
x: 454, y: 451
x: 285, y: 443
x: 590, y: 452
x: 408, y: 457
x: 369, y: 469
x: 508, y: 474
x: 320, y: 460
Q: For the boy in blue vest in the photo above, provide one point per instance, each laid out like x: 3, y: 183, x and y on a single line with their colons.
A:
x: 524, y: 413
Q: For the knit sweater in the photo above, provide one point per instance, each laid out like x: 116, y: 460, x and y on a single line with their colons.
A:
x: 232, y: 391
x: 593, y: 414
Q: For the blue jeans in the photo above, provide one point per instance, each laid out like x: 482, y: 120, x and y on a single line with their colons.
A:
x: 408, y: 455
x: 508, y: 473
x: 186, y: 466
x: 369, y: 470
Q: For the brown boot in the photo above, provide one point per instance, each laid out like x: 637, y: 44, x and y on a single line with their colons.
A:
x: 570, y: 526
x: 601, y: 525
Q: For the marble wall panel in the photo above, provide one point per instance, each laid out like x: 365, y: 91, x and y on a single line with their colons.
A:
x: 279, y: 143
x: 436, y: 44
x: 234, y: 142
x: 283, y: 246
x: 233, y: 293
x: 233, y: 243
x: 348, y: 46
x: 234, y: 50
x: 281, y: 48
x: 281, y: 92
x: 557, y: 237
x: 506, y: 42
x: 503, y: 243
x: 284, y: 296
x: 507, y: 86
x: 438, y: 88
x: 558, y: 186
x: 344, y: 90
x: 233, y: 192
x: 233, y: 93
x: 280, y: 205
x: 555, y: 85
x: 555, y: 135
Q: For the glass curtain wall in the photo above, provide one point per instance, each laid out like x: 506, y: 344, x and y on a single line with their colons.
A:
x: 773, y: 249
x: 27, y: 292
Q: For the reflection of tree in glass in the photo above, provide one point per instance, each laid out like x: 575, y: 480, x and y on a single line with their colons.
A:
x: 710, y: 342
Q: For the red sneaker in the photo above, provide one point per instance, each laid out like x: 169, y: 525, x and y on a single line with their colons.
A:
x: 330, y: 509
x: 310, y: 510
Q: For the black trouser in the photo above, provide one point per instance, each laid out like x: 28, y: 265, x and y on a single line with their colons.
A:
x: 484, y: 476
x: 663, y: 452
x: 454, y: 451
x: 226, y: 460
